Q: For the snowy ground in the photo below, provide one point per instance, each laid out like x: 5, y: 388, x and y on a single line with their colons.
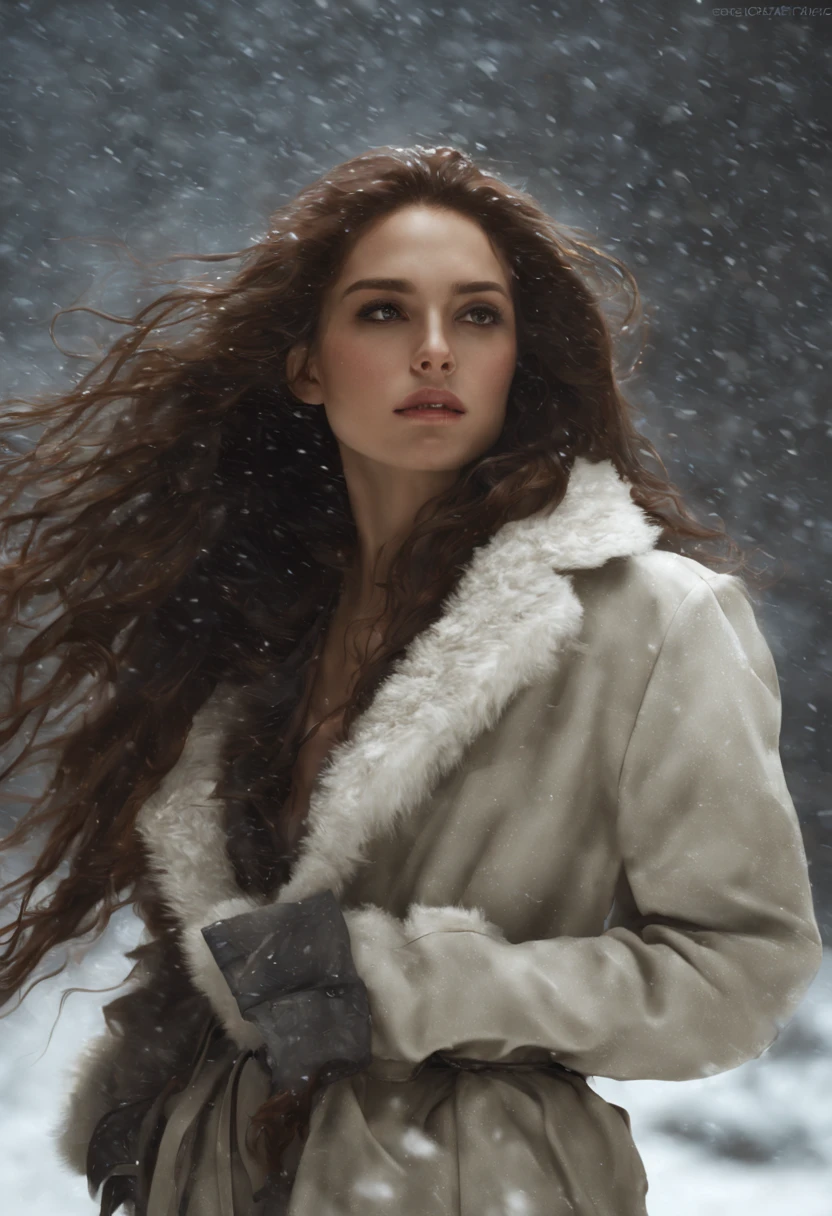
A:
x: 755, y: 1140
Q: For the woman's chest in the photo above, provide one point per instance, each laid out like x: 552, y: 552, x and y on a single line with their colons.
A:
x: 330, y: 682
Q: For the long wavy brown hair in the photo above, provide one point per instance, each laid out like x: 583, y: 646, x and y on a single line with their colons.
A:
x: 182, y: 519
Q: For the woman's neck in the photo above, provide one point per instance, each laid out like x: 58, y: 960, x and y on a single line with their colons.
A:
x: 361, y: 596
x: 385, y: 502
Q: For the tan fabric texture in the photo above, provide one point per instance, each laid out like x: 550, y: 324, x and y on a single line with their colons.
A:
x: 562, y: 831
x: 642, y: 788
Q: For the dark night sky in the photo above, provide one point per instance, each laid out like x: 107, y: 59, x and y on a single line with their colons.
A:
x: 694, y: 146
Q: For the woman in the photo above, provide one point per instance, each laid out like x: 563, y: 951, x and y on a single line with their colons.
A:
x: 442, y: 777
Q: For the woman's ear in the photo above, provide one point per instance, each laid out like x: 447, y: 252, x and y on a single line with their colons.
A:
x: 300, y: 375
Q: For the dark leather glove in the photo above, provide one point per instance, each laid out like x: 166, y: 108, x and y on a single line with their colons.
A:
x: 292, y: 974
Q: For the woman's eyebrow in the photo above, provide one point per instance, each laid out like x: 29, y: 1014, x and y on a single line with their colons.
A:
x: 405, y: 285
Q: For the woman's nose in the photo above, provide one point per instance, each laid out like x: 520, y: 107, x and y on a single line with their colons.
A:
x: 435, y: 350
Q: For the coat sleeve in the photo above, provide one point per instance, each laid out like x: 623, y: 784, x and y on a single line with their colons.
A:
x: 719, y: 941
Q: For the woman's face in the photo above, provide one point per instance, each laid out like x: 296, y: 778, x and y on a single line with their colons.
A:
x: 447, y: 322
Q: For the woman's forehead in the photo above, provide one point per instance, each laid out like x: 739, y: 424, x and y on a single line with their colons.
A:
x: 420, y: 244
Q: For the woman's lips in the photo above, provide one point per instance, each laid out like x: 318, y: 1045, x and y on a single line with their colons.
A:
x: 432, y: 395
x: 420, y: 413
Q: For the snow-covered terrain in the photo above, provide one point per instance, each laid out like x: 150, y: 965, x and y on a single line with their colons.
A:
x: 755, y: 1140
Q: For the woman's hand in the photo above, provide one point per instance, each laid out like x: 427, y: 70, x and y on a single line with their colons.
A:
x: 291, y: 971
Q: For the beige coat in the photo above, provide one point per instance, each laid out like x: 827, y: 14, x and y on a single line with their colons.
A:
x: 561, y: 831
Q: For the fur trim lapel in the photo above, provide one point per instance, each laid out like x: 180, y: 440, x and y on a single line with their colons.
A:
x: 513, y: 615
x: 505, y: 627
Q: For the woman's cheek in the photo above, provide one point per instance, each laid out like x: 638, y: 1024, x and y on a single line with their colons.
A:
x: 362, y: 363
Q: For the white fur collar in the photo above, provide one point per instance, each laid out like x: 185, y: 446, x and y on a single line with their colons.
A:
x: 513, y: 615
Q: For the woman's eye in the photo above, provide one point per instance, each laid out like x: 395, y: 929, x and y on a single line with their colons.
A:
x: 368, y: 310
x: 492, y: 315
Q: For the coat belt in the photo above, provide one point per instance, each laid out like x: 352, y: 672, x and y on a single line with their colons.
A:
x: 200, y: 1130
x: 400, y: 1071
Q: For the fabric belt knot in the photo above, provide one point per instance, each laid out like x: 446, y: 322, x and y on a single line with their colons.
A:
x: 466, y: 1064
x: 201, y: 1162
